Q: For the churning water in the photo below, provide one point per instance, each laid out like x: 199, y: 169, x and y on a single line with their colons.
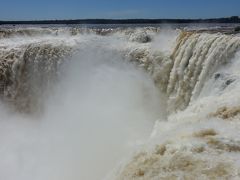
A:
x: 122, y: 103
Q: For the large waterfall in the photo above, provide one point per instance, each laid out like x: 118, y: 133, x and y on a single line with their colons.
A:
x: 123, y: 103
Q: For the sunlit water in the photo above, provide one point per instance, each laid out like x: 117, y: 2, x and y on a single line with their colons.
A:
x: 77, y: 103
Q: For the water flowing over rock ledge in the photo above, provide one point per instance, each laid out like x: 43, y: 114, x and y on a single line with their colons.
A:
x: 199, y: 74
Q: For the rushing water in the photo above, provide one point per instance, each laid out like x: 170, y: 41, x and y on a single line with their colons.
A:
x: 118, y: 103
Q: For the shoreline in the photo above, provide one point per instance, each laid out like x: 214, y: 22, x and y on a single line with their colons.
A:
x: 232, y: 19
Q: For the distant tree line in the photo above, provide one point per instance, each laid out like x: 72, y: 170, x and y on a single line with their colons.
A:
x: 233, y: 19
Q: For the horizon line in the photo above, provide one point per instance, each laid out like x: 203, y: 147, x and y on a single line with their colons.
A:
x: 76, y: 19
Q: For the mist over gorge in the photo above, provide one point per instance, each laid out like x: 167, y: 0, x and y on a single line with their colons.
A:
x: 119, y: 103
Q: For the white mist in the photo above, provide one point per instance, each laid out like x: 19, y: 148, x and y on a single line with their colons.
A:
x: 97, y: 112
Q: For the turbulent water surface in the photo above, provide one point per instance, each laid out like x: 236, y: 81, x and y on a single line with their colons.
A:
x: 119, y: 103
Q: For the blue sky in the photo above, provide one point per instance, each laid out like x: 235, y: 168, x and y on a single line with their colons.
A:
x: 77, y: 9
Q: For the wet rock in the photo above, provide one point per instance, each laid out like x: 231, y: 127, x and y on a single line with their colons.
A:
x: 224, y: 79
x: 237, y: 29
x: 229, y: 81
x: 217, y: 76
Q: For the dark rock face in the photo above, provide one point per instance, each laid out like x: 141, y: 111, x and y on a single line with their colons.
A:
x: 237, y: 29
x: 217, y: 76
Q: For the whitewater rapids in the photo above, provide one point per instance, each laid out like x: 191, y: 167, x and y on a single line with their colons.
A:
x: 125, y: 103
